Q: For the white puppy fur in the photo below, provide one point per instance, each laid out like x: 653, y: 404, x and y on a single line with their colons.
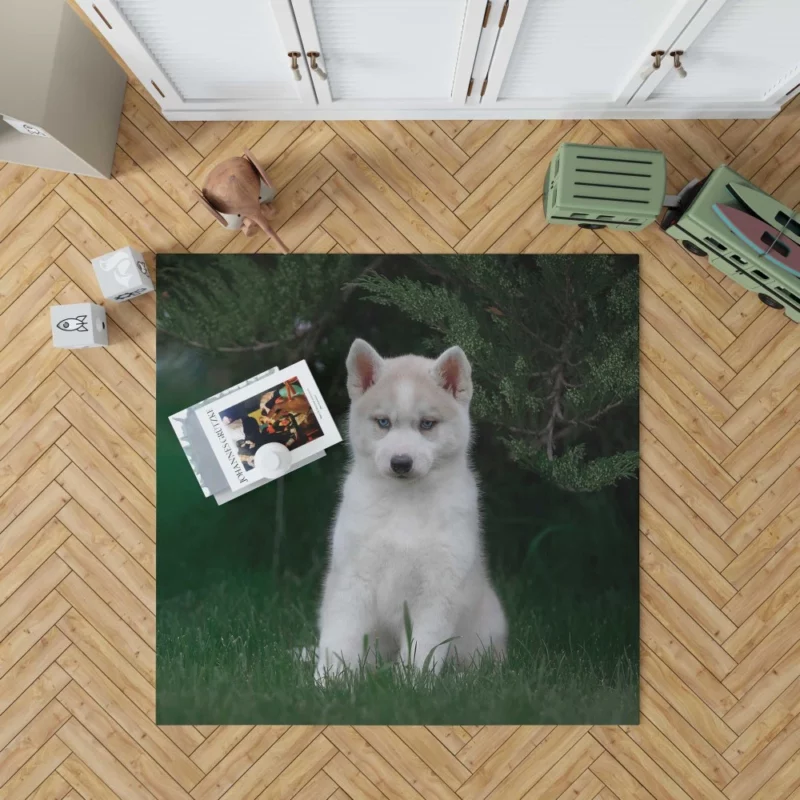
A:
x: 408, y: 527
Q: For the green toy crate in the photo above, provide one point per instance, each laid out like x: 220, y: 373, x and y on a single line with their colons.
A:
x: 598, y: 187
x: 696, y: 225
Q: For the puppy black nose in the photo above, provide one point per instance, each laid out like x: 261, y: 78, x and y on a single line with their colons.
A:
x: 401, y: 464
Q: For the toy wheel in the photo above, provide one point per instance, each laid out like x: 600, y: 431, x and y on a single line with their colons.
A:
x: 592, y: 226
x: 769, y: 301
x: 693, y: 248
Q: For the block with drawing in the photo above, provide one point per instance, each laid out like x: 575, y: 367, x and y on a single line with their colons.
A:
x: 78, y: 325
x: 122, y: 275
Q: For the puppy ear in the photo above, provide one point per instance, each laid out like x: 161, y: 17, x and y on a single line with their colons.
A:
x: 363, y: 367
x: 453, y: 373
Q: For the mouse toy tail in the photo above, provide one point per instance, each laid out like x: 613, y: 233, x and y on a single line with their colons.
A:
x: 262, y: 223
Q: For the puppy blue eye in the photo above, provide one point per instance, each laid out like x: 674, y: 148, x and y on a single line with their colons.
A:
x: 383, y: 422
x: 427, y: 424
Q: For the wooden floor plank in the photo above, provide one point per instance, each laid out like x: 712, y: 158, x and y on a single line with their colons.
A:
x: 39, y: 294
x: 127, y: 570
x: 31, y: 538
x: 640, y: 765
x: 437, y: 143
x: 673, y: 654
x: 37, y: 769
x: 675, y: 510
x: 30, y: 230
x: 776, y: 683
x: 684, y: 592
x: 685, y: 702
x: 158, y: 203
x: 12, y: 176
x: 106, y: 778
x: 163, y: 172
x: 109, y: 443
x: 26, y: 198
x: 136, y: 723
x: 683, y: 446
x: 720, y: 470
x: 31, y: 629
x: 160, y: 132
x: 759, y: 581
x: 678, y: 736
x: 427, y: 170
x: 20, y: 603
x: 109, y: 624
x: 475, y: 134
x: 426, y: 222
x: 109, y: 516
x: 686, y: 414
x: 98, y: 724
x: 682, y: 555
x: 45, y: 720
x: 17, y: 280
x: 109, y: 480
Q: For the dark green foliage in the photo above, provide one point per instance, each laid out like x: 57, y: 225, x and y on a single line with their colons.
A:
x: 553, y: 350
x: 236, y: 303
x: 552, y: 339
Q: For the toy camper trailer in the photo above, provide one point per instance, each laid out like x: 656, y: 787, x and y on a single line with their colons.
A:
x: 605, y: 187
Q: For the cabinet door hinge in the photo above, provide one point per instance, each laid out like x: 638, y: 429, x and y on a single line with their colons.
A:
x: 483, y: 88
x: 469, y: 88
x: 503, y: 15
x: 487, y: 12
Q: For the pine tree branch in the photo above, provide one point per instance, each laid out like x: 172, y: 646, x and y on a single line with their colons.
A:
x: 245, y: 348
x: 597, y: 414
x: 557, y: 412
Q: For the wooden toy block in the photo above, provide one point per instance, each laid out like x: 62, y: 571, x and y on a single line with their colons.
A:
x: 122, y: 275
x: 79, y: 325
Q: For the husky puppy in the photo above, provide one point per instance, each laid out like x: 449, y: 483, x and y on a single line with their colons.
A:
x: 407, y: 531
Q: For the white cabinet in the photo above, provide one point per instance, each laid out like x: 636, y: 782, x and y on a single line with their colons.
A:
x: 570, y: 53
x: 403, y: 53
x: 219, y: 56
x: 735, y: 51
x: 338, y: 59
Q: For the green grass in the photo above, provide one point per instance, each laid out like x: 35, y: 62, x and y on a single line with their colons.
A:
x: 230, y: 656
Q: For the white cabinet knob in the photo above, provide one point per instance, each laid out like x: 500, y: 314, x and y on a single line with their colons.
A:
x: 676, y: 60
x: 312, y: 57
x: 657, y: 55
x: 295, y: 67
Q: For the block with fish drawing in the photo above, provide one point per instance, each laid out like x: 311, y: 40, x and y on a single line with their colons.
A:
x: 122, y: 275
x: 79, y: 325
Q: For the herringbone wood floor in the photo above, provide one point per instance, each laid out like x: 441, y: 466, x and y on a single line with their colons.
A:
x: 720, y: 547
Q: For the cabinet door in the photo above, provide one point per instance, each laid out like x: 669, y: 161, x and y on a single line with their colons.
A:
x: 559, y: 54
x: 391, y: 53
x: 735, y: 51
x: 207, y: 53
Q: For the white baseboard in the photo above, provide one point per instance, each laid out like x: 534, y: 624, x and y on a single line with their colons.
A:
x: 705, y: 111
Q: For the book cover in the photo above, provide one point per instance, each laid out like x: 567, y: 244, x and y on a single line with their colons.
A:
x: 284, y: 407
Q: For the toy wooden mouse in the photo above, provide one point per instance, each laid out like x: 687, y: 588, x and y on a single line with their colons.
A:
x: 237, y: 192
